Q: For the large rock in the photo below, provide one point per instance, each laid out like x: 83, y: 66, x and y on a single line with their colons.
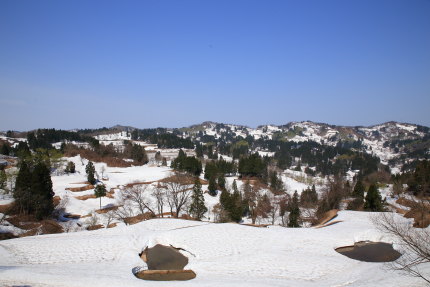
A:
x: 162, y: 257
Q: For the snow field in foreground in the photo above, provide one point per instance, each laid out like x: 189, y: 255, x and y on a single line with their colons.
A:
x: 227, y: 254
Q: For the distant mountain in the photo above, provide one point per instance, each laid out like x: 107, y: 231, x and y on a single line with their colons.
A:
x: 390, y: 141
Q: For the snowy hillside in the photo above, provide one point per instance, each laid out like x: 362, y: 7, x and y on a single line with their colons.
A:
x: 379, y: 140
x: 220, y: 254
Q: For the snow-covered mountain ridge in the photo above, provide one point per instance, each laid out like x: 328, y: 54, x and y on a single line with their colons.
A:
x: 388, y: 140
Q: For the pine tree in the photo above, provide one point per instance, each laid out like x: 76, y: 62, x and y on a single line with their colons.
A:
x: 212, y: 186
x: 237, y: 211
x: 358, y: 190
x: 221, y: 182
x: 373, y: 200
x: 41, y: 189
x: 3, y: 179
x: 90, y: 170
x: 22, y: 193
x: 234, y: 187
x: 293, y: 218
x: 5, y: 149
x: 99, y: 192
x: 70, y: 168
x: 197, y: 207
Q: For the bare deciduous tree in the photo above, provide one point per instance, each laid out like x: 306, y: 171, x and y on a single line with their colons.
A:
x: 160, y: 194
x: 139, y: 198
x: 274, y: 206
x: 102, y: 170
x: 178, y: 191
x: 109, y: 217
x: 124, y: 211
x: 414, y: 243
x: 250, y: 194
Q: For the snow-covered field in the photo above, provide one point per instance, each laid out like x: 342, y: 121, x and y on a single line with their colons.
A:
x: 221, y: 255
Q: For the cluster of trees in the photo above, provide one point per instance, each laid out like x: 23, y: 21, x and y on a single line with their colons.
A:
x: 419, y: 180
x: 309, y: 197
x: 162, y: 138
x: 33, y: 190
x: 135, y: 152
x: 252, y: 166
x: 189, y: 164
x: 217, y: 167
x: 43, y: 138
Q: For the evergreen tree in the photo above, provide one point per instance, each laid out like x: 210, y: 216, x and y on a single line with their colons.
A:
x: 309, y: 197
x: 22, y: 193
x: 197, y: 207
x: 5, y: 149
x: 212, y: 186
x: 70, y: 168
x: 199, y: 151
x: 99, y: 192
x: 358, y: 190
x: 90, y: 170
x: 23, y: 151
x: 3, y: 179
x: 373, y: 200
x: 298, y: 167
x: 221, y: 182
x: 293, y: 218
x: 41, y: 189
x: 234, y: 187
x: 236, y: 202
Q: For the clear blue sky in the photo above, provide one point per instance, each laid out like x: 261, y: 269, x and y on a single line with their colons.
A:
x: 87, y: 64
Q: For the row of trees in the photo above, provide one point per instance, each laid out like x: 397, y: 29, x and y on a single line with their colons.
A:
x: 177, y: 193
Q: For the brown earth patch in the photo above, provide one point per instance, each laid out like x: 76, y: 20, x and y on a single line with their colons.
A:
x: 419, y: 211
x: 256, y: 225
x: 47, y: 226
x: 166, y: 275
x: 72, y: 216
x: 421, y: 217
x: 106, y: 210
x: 112, y: 225
x: 85, y: 197
x: 6, y: 236
x: 6, y: 207
x: 56, y: 200
x: 138, y: 218
x: 329, y: 215
x: 78, y: 189
x: 95, y: 227
x: 109, y: 194
x: 84, y: 182
x: 128, y: 185
x: 185, y: 180
x: 328, y: 224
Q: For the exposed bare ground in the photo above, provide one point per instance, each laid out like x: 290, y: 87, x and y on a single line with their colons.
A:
x: 106, y: 210
x: 329, y: 215
x: 419, y: 211
x: 166, y: 275
x: 138, y: 218
x: 5, y: 207
x: 83, y: 188
x: 88, y: 196
x: 95, y: 227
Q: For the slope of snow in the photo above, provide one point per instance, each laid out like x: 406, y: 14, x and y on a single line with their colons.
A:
x: 220, y: 254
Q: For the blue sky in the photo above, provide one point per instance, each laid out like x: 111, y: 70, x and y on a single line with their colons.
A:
x: 88, y: 64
